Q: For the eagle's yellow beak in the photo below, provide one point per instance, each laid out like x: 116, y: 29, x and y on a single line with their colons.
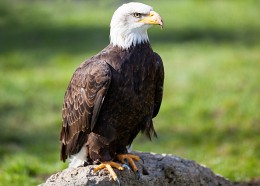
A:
x: 153, y: 19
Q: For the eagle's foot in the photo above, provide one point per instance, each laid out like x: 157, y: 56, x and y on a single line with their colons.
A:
x: 129, y: 159
x: 108, y: 165
x: 126, y: 165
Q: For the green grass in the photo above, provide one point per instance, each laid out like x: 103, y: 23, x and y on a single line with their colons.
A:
x: 211, y: 106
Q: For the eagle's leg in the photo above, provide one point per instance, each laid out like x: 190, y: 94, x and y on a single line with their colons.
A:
x: 130, y: 158
x: 109, y: 165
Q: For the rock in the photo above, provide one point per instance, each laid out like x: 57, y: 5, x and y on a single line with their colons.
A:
x: 155, y: 169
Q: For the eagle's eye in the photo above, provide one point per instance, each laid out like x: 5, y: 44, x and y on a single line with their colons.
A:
x: 137, y: 15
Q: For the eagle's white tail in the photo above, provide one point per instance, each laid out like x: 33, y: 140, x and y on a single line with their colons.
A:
x: 78, y: 159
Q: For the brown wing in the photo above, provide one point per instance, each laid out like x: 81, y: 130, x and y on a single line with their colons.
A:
x: 159, y: 85
x: 82, y: 102
x: 148, y: 128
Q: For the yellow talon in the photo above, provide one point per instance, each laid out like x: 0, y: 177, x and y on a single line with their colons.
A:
x: 99, y: 167
x: 130, y: 158
x: 116, y: 165
x: 109, y: 166
x: 136, y: 158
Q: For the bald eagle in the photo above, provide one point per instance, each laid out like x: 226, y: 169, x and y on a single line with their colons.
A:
x: 115, y: 94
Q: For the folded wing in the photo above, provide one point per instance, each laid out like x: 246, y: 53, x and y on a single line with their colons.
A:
x: 82, y: 102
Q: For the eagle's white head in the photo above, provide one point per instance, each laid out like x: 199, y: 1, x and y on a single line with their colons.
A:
x: 130, y: 22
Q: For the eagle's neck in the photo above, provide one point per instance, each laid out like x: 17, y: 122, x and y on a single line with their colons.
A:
x: 125, y: 38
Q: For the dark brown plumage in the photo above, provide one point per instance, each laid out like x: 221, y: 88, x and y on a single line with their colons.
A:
x: 111, y: 97
x: 114, y: 95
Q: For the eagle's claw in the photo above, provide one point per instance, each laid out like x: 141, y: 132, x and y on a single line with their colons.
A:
x: 90, y: 171
x: 126, y: 164
x: 138, y: 174
x: 117, y: 180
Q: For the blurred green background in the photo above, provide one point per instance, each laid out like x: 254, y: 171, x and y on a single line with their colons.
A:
x: 211, y: 107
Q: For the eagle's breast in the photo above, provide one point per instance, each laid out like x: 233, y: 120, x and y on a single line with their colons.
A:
x: 129, y: 102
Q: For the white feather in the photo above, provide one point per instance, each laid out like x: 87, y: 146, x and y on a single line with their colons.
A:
x: 78, y: 159
x: 129, y: 148
x: 125, y: 30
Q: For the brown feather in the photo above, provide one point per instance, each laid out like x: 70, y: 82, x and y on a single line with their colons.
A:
x: 111, y: 98
x: 90, y: 79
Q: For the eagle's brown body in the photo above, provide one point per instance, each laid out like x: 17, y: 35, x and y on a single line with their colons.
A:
x: 111, y: 97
